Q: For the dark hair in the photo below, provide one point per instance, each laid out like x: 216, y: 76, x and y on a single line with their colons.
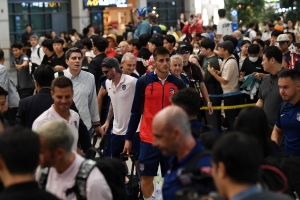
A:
x: 253, y: 49
x: 188, y: 99
x: 144, y: 39
x: 87, y: 42
x: 28, y: 25
x: 73, y: 31
x: 276, y: 33
x: 61, y: 82
x: 252, y: 24
x: 101, y: 44
x: 1, y: 54
x: 135, y: 42
x: 94, y: 37
x: 48, y: 44
x: 258, y: 33
x: 160, y: 51
x: 296, y: 45
x: 79, y: 45
x: 170, y: 39
x: 3, y: 92
x: 156, y: 41
x: 17, y: 45
x: 258, y: 128
x: 59, y: 40
x: 293, y: 74
x: 273, y: 52
x: 85, y: 31
x: 267, y: 43
x: 44, y: 75
x: 72, y: 50
x: 293, y: 36
x: 241, y: 156
x: 20, y: 150
x: 208, y: 44
x: 259, y: 41
x: 120, y: 38
x: 292, y: 23
x: 245, y: 42
x: 222, y: 12
x: 231, y: 39
x: 279, y: 19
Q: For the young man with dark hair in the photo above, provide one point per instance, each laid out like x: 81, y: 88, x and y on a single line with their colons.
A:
x: 59, y: 61
x: 169, y: 43
x: 173, y: 136
x: 251, y: 33
x: 224, y: 26
x: 268, y: 96
x: 144, y: 53
x: 159, y: 86
x: 213, y: 86
x: 17, y: 175
x: 228, y: 77
x: 134, y: 46
x: 284, y: 43
x: 21, y: 63
x: 287, y: 123
x: 85, y: 96
x: 26, y: 36
x: 62, y: 95
x: 236, y: 158
x: 49, y: 56
x: 99, y: 48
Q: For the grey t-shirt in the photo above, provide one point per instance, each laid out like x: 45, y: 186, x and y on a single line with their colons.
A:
x: 269, y: 93
x: 24, y: 77
x: 267, y: 195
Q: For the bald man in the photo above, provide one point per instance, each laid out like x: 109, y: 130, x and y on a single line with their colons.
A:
x: 172, y: 135
x: 238, y: 35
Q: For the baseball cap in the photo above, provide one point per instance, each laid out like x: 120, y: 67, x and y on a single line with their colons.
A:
x: 183, y: 49
x: 227, y: 45
x: 206, y: 35
x: 283, y: 38
x: 111, y: 62
x: 142, y: 11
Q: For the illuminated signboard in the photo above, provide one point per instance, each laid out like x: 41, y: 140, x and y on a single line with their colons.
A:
x: 105, y: 3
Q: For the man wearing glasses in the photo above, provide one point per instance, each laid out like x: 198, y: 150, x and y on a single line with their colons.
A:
x: 269, y: 97
x: 85, y: 97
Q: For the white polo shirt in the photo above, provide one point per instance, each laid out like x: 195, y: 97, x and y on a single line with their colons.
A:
x: 121, y: 98
x: 57, y: 184
x: 51, y: 114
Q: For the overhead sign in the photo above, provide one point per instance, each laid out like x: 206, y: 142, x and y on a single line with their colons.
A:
x: 234, y: 19
x: 104, y: 3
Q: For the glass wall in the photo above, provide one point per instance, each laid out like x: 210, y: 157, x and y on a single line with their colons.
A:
x: 168, y: 11
x: 42, y: 16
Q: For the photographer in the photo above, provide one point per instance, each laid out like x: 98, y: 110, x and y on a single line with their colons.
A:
x: 172, y: 135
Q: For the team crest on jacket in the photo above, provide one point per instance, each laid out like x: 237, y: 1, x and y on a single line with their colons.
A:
x: 123, y: 87
x: 142, y: 166
x: 172, y: 90
x: 298, y: 117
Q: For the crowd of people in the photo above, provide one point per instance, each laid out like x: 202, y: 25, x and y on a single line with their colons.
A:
x: 143, y: 95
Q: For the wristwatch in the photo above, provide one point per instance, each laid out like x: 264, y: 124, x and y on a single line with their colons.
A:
x: 209, y: 103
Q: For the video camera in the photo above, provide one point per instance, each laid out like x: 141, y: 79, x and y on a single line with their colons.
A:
x: 197, y: 184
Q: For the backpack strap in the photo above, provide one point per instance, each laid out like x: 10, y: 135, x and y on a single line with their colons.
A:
x: 81, y: 178
x: 38, y: 52
x: 43, y: 178
x: 192, y: 163
x: 143, y: 88
x: 284, y: 103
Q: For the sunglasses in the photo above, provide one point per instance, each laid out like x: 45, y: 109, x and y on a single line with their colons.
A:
x: 184, y: 52
x: 105, y: 72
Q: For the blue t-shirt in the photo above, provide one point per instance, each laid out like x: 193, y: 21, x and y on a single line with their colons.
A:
x: 171, y: 183
x: 289, y: 122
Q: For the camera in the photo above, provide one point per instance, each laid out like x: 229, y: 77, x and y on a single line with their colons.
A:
x: 196, y: 185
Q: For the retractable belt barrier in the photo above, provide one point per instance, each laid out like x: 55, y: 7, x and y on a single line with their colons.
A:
x: 229, y: 107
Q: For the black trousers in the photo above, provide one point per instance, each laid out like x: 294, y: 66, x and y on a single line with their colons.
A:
x: 214, y: 119
x: 231, y: 114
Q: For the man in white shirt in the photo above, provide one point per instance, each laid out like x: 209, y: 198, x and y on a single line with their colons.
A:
x: 85, y: 97
x: 251, y: 33
x: 63, y: 165
x: 224, y: 26
x: 121, y: 90
x: 228, y: 77
x: 62, y: 94
x: 37, y: 53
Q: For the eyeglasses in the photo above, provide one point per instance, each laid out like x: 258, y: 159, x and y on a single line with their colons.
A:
x: 105, y: 72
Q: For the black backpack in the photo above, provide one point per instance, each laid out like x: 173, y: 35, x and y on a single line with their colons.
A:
x: 207, y: 134
x: 112, y: 169
x: 180, y: 85
x: 281, y: 173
